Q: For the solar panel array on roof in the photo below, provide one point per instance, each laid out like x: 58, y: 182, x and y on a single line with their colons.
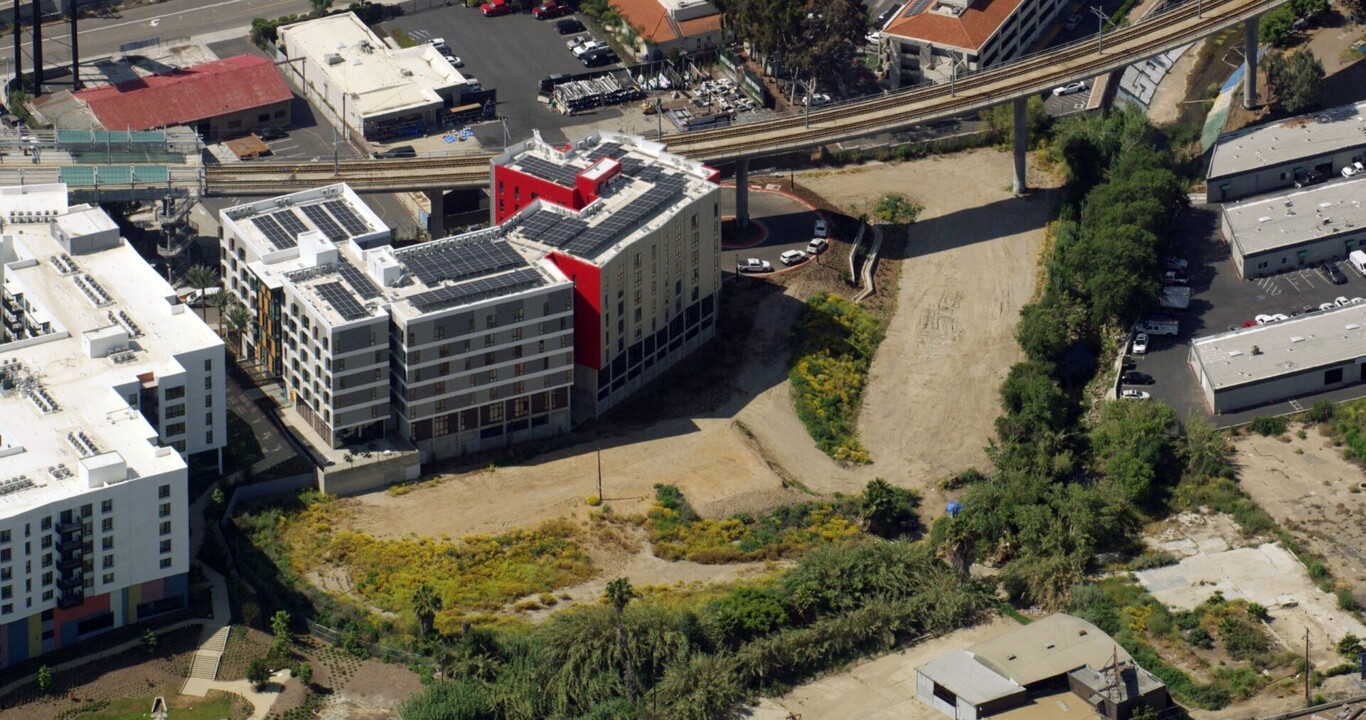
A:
x: 352, y: 276
x: 632, y: 166
x: 277, y: 235
x: 607, y: 149
x: 460, y: 261
x: 917, y: 7
x: 290, y: 221
x: 350, y: 221
x: 559, y: 174
x: 665, y: 191
x: 324, y: 221
x: 475, y: 290
x: 341, y: 300
x: 539, y: 222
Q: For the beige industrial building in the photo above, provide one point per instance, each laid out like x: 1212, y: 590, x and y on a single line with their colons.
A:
x: 1060, y: 656
x: 926, y: 37
x: 1300, y: 229
x: 1291, y: 359
x: 376, y: 91
x: 1266, y: 158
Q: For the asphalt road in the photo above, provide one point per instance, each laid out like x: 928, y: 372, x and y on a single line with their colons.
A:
x: 788, y: 222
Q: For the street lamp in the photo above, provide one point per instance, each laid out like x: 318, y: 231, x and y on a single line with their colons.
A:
x: 953, y: 69
x: 1101, y: 19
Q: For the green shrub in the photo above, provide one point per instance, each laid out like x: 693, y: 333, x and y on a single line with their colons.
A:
x: 1321, y: 411
x: 1268, y: 426
x: 747, y: 613
x: 1347, y: 600
x: 1242, y: 640
x: 1350, y: 646
x: 835, y: 340
x: 1199, y: 637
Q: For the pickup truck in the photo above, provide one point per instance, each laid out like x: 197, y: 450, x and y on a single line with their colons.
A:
x: 754, y: 265
x: 494, y: 8
x: 1176, y: 297
x: 1159, y: 326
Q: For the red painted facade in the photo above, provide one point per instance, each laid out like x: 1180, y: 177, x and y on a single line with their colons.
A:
x: 513, y: 191
x: 587, y: 279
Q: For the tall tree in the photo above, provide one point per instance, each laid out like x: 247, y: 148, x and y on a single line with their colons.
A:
x: 238, y: 321
x: 320, y: 7
x: 202, y: 277
x: 1295, y: 80
x: 426, y: 604
x: 279, y: 625
x: 220, y: 302
x: 620, y: 594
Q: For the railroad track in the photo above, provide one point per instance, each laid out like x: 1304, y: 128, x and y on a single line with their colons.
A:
x: 889, y: 112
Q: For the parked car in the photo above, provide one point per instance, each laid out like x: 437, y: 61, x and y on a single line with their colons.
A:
x: 754, y: 265
x: 1130, y: 394
x: 792, y: 257
x: 818, y: 99
x: 1070, y: 88
x: 1127, y: 363
x: 1341, y: 301
x: 1134, y: 377
x: 1353, y: 170
x: 1313, y: 177
x: 1333, y: 273
x: 494, y: 8
x: 1250, y: 323
x: 576, y: 41
x: 1140, y: 345
x: 598, y: 58
x: 1264, y: 319
x: 820, y: 229
x: 1174, y: 277
x: 402, y: 151
x: 816, y: 246
x: 1327, y: 306
x: 568, y: 26
x: 551, y: 9
x: 272, y: 133
x: 1176, y: 263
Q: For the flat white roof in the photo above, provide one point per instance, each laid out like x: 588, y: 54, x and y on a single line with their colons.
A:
x: 1289, y: 140
x: 1254, y: 354
x: 380, y: 80
x: 1323, y: 211
x: 968, y: 679
x: 334, y: 210
x: 61, y: 392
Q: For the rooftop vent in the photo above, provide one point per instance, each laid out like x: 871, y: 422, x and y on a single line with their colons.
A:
x: 1256, y: 350
x: 334, y: 59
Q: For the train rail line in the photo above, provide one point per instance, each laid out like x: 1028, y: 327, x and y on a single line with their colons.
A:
x: 1179, y: 25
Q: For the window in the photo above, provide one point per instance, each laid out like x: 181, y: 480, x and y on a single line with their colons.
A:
x: 108, y: 578
x: 208, y: 367
x: 47, y: 578
x: 165, y: 562
x: 518, y: 314
x: 234, y: 124
x: 208, y: 437
x: 107, y: 542
x: 165, y: 546
x: 496, y: 413
x: 165, y: 527
x: 107, y: 525
x: 208, y: 401
x: 165, y: 510
x: 519, y: 407
x: 263, y: 117
x: 108, y: 561
x: 175, y: 393
x: 441, y: 425
x: 107, y: 506
x: 208, y: 418
x: 164, y: 492
x: 4, y: 536
x: 175, y: 411
x: 175, y: 429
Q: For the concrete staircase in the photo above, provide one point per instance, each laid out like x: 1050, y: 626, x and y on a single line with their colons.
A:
x: 207, y: 657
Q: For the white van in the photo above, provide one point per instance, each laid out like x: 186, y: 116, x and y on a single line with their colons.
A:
x: 1358, y: 260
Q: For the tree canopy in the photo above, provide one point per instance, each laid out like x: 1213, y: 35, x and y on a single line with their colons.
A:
x: 1295, y: 80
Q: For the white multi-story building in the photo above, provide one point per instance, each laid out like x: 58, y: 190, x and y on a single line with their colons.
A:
x: 106, y: 380
x: 926, y: 39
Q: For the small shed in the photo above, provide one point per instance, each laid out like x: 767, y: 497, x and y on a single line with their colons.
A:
x: 248, y: 147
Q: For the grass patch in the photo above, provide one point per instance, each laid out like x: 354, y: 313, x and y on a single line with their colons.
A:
x: 402, y: 38
x: 474, y: 573
x: 214, y: 707
x: 1346, y: 425
x: 677, y: 533
x: 836, y: 340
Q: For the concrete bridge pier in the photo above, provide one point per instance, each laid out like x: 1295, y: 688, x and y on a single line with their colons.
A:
x: 1250, y: 63
x: 1021, y: 145
x: 742, y: 193
x: 436, y: 216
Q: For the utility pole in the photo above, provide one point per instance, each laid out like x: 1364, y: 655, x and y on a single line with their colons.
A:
x: 1101, y: 19
x: 18, y: 59
x: 336, y: 160
x: 659, y: 117
x: 598, y: 451
x: 810, y: 94
x: 1308, y: 670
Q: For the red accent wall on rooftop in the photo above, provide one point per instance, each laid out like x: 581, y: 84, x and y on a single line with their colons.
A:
x: 513, y: 190
x: 587, y: 308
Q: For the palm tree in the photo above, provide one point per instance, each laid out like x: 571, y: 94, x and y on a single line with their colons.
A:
x: 426, y: 604
x: 220, y: 301
x: 620, y: 593
x: 202, y: 277
x: 238, y: 321
x: 957, y: 546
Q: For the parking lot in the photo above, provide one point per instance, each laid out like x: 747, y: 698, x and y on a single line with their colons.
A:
x: 788, y: 223
x: 1221, y: 301
x: 512, y: 54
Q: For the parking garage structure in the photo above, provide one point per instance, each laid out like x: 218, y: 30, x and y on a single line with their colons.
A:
x: 1295, y: 230
x: 1291, y: 359
x: 1267, y: 158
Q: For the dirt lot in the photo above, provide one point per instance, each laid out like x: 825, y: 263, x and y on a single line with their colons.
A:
x: 1310, y: 490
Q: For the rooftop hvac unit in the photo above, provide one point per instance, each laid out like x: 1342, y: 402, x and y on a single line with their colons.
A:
x: 334, y: 59
x: 405, y: 72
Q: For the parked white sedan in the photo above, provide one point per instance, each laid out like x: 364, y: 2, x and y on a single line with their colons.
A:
x: 1070, y: 88
x: 1128, y: 394
x: 792, y: 257
x: 1140, y: 344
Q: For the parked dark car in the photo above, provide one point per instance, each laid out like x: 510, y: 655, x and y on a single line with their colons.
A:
x: 568, y: 26
x: 1133, y: 377
x: 1313, y: 177
x: 551, y: 9
x: 402, y: 151
x: 271, y: 133
x: 598, y: 58
x: 1127, y: 363
x: 1334, y: 275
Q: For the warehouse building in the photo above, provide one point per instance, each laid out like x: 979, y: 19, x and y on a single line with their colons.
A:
x: 107, y: 385
x: 1273, y: 157
x: 259, y: 243
x: 638, y: 230
x: 1304, y: 228
x: 221, y: 99
x: 365, y: 86
x: 1291, y: 359
x: 1060, y: 655
x: 926, y: 37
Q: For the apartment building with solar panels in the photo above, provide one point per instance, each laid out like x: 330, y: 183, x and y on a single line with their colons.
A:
x: 259, y: 244
x: 107, y: 384
x: 638, y: 232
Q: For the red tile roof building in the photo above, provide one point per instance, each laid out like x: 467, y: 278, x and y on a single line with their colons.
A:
x: 220, y: 99
x: 925, y: 36
x: 662, y: 25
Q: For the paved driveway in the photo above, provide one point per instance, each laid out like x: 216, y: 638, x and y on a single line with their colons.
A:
x: 788, y: 221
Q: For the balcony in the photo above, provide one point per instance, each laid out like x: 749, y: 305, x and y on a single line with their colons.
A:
x: 69, y: 546
x: 70, y: 582
x: 69, y: 526
x: 68, y: 600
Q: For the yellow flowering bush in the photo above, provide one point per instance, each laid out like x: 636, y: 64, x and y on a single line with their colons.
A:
x: 836, y: 341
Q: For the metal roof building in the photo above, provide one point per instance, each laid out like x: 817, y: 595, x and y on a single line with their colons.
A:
x: 1290, y: 359
x: 1058, y: 654
x: 1272, y: 157
x: 1302, y: 228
